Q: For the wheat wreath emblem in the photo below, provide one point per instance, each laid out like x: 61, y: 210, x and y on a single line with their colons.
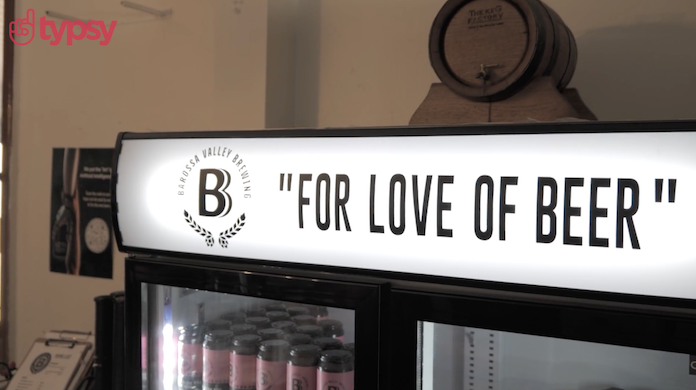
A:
x: 223, y: 237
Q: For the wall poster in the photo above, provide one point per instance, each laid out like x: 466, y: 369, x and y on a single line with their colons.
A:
x: 81, y: 230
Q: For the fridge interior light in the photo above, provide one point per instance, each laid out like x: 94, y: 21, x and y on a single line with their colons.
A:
x: 168, y: 362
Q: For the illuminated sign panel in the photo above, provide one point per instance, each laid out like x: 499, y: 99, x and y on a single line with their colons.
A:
x: 607, y: 212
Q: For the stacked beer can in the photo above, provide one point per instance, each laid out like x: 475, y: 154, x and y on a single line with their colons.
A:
x: 280, y: 346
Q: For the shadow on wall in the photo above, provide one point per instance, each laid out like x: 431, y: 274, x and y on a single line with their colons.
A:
x: 640, y: 72
x: 292, y: 63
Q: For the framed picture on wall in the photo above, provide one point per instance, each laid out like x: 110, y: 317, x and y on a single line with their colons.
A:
x: 81, y: 235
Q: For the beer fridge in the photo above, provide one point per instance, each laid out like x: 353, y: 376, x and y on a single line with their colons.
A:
x: 546, y: 256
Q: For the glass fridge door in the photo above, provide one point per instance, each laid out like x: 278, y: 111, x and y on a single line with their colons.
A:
x: 209, y: 340
x: 463, y: 358
x: 471, y: 339
x: 237, y: 330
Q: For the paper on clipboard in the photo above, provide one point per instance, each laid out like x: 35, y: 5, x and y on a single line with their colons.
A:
x: 51, y: 364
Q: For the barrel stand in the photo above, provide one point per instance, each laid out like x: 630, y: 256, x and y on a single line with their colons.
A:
x: 540, y: 100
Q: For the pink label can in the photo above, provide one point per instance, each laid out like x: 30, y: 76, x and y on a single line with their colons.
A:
x: 190, y: 359
x: 302, y: 378
x: 271, y: 375
x: 335, y: 380
x: 242, y: 372
x: 216, y: 367
x: 335, y: 370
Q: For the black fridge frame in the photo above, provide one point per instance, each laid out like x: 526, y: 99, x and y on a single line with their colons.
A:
x: 368, y: 300
x: 564, y: 313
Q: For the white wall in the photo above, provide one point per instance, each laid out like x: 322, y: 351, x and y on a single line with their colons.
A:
x: 636, y: 58
x: 202, y: 69
x: 357, y: 62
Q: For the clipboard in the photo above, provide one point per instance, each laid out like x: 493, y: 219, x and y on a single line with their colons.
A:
x: 54, y: 363
x: 88, y: 360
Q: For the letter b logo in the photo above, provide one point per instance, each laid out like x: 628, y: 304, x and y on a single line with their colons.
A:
x: 296, y: 384
x: 224, y: 200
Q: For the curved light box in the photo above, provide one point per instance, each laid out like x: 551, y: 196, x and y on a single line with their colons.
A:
x: 593, y: 206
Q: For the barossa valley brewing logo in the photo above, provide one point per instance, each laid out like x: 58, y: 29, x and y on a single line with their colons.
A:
x: 215, y: 190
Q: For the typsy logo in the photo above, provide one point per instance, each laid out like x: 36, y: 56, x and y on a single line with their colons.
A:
x: 93, y: 30
x: 216, y: 186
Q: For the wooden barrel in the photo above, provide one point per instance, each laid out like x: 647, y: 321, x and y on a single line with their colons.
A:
x: 488, y: 50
